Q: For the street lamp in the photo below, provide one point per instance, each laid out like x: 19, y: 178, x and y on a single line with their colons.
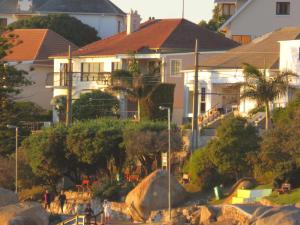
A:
x: 17, y: 131
x: 169, y: 155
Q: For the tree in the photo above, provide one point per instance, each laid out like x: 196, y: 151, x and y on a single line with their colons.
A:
x: 264, y: 89
x: 135, y: 85
x: 146, y: 141
x: 227, y: 157
x: 94, y: 105
x: 216, y: 21
x: 69, y: 27
x: 47, y: 155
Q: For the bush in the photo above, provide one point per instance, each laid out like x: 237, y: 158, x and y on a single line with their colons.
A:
x: 109, y: 190
x: 291, y: 177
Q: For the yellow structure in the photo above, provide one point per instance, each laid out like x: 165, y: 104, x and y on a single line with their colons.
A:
x: 250, y: 196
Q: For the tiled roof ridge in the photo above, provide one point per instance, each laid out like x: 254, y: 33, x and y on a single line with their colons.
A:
x: 41, y: 42
x: 171, y: 31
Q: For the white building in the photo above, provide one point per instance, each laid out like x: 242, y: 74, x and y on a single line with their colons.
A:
x: 221, y: 76
x: 163, y: 46
x: 102, y: 15
x: 253, y: 18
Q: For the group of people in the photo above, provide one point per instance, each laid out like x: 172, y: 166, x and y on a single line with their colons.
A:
x: 62, y: 198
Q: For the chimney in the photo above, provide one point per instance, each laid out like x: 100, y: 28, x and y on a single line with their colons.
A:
x: 133, y: 21
x: 24, y: 5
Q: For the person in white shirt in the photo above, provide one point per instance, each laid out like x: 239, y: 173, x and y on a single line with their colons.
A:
x: 107, y: 211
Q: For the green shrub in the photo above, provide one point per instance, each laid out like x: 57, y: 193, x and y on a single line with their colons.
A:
x: 109, y: 190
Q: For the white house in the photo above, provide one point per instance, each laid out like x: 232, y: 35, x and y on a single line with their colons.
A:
x: 30, y: 53
x: 221, y: 75
x: 160, y: 46
x: 102, y: 15
x: 253, y: 18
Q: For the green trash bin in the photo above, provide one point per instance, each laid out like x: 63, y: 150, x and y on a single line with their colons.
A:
x: 218, y: 192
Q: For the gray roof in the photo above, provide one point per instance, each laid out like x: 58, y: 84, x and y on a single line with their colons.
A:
x: 64, y: 6
x: 262, y: 52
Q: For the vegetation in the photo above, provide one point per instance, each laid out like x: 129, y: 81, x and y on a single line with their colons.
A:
x: 95, y: 105
x: 264, y: 89
x: 95, y: 147
x: 69, y: 27
x: 285, y: 199
x: 216, y: 21
x: 227, y: 157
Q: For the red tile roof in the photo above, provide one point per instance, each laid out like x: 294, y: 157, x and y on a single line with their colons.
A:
x: 162, y: 35
x: 36, y: 45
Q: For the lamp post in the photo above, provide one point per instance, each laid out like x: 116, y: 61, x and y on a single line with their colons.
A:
x: 17, y: 131
x: 169, y: 157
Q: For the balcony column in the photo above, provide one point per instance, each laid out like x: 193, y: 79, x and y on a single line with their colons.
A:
x: 123, y: 106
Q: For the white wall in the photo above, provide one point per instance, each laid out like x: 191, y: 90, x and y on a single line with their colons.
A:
x: 105, y: 25
x: 260, y: 17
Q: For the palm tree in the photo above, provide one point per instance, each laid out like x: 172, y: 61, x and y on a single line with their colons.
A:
x: 134, y: 85
x: 264, y: 89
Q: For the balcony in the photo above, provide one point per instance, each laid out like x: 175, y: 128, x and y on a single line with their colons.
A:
x: 60, y: 79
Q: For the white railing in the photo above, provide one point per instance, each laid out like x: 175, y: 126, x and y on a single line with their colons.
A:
x: 76, y: 220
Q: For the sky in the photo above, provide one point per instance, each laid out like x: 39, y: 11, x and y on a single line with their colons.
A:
x: 195, y: 10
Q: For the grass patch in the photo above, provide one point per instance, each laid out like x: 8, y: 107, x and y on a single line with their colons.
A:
x: 193, y: 188
x: 285, y: 199
x: 264, y: 186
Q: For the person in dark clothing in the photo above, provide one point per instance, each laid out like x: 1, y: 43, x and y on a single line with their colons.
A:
x: 62, y: 200
x: 89, y: 213
x: 47, y: 200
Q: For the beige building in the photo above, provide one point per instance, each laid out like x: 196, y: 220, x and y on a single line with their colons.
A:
x: 30, y: 54
x: 253, y: 18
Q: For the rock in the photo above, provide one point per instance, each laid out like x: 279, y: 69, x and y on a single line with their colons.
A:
x: 207, y: 215
x: 152, y: 194
x: 23, y: 214
x: 7, y: 197
x: 287, y: 215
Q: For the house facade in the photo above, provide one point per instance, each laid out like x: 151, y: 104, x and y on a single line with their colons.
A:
x: 221, y: 76
x: 102, y: 15
x: 31, y: 55
x: 243, y: 26
x: 164, y: 46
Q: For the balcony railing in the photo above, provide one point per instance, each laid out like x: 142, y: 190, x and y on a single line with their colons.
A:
x: 61, y: 79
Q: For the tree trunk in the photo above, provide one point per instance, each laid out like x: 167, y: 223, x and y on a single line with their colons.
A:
x: 267, y: 115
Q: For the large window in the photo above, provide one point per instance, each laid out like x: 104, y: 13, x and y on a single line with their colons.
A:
x: 228, y: 9
x: 203, y: 102
x: 283, y: 8
x: 91, y: 71
x: 115, y: 66
x: 63, y: 73
x: 176, y: 67
x: 3, y: 22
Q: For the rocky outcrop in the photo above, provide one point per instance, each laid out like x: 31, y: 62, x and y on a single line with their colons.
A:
x: 287, y: 215
x: 7, y: 197
x: 23, y: 214
x: 152, y: 194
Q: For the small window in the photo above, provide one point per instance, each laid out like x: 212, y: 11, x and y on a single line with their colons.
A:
x: 283, y: 8
x: 242, y: 39
x: 115, y: 66
x: 176, y: 67
x: 3, y: 22
x: 119, y: 26
x: 228, y: 9
x: 203, y: 93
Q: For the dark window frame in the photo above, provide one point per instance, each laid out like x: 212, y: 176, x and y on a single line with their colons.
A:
x: 283, y: 8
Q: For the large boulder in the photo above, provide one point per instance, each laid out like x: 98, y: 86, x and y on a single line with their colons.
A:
x: 7, y: 197
x: 23, y: 214
x: 152, y: 194
x: 287, y: 215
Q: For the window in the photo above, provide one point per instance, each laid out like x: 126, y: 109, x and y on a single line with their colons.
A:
x: 191, y: 102
x: 119, y: 26
x: 63, y: 74
x: 283, y: 8
x: 175, y: 67
x: 3, y: 22
x: 228, y: 9
x: 242, y: 39
x: 202, y: 102
x: 299, y: 54
x: 91, y: 71
x: 115, y: 66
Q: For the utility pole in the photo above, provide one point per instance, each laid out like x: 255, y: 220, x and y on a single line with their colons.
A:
x: 195, y: 130
x: 183, y: 8
x: 70, y: 87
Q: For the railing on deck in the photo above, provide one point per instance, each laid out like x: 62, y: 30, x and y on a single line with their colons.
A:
x: 80, y: 220
x: 60, y: 79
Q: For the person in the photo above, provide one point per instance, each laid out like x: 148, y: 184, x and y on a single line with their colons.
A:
x: 62, y: 200
x: 107, y: 211
x: 47, y: 200
x: 89, y: 213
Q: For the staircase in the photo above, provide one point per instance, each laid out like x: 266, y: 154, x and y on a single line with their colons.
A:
x: 78, y: 220
x: 258, y: 119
